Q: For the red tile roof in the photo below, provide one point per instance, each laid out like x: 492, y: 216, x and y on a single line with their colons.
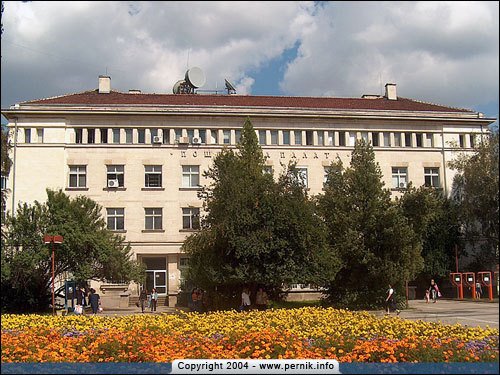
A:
x: 93, y: 98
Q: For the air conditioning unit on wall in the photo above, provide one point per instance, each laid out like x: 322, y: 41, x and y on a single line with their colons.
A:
x: 157, y: 139
x: 196, y: 141
x: 183, y: 140
x: 113, y: 183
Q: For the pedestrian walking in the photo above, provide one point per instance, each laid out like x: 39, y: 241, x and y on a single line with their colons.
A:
x: 479, y: 290
x: 143, y: 297
x: 434, y: 291
x: 245, y: 300
x: 154, y: 299
x: 390, y: 301
x: 94, y: 301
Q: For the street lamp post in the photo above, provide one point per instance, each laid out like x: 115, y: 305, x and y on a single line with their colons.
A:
x: 53, y: 239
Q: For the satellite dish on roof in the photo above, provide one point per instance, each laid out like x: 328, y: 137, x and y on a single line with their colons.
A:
x: 229, y: 87
x: 195, y: 77
x: 177, y: 86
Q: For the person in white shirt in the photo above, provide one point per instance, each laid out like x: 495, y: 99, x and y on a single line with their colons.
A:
x: 390, y: 302
x: 245, y: 300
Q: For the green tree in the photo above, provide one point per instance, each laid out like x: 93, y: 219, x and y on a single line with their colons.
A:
x: 374, y: 241
x: 434, y: 219
x: 89, y: 250
x: 256, y: 230
x: 475, y: 188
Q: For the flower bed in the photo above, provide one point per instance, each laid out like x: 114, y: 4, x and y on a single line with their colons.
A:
x: 296, y: 333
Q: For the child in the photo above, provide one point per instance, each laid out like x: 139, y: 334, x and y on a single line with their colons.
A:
x: 427, y: 296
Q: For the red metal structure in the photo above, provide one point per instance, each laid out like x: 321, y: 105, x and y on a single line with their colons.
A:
x: 53, y: 239
x: 485, y: 279
x: 470, y: 281
x: 456, y: 279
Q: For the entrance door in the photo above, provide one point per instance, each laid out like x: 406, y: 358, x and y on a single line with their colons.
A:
x: 157, y: 280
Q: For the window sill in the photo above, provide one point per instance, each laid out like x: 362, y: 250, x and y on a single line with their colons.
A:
x: 114, y: 189
x: 188, y: 230
x: 152, y: 189
x: 118, y: 231
x: 77, y: 189
x: 399, y: 189
x: 153, y: 230
x: 197, y: 188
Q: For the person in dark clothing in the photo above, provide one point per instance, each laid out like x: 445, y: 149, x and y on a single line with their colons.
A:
x: 94, y: 300
x: 79, y: 296
x: 434, y: 291
x: 143, y: 298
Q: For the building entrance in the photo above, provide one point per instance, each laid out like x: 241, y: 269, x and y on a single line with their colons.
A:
x: 156, y: 274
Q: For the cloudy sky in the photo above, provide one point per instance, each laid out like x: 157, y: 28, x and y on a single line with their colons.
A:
x: 438, y: 52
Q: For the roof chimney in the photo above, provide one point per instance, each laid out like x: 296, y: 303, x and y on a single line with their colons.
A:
x: 390, y: 91
x: 104, y: 84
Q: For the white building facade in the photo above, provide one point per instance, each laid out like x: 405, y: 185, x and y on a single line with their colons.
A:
x: 142, y: 156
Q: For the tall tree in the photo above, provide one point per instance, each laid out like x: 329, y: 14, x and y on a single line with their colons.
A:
x: 89, y: 250
x: 256, y: 230
x: 475, y: 187
x: 376, y: 245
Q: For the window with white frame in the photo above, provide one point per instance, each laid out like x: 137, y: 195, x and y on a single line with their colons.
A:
x: 39, y: 134
x: 262, y: 137
x: 419, y: 139
x: 153, y: 218
x: 326, y: 172
x: 399, y: 177
x: 214, y: 139
x: 375, y: 139
x: 274, y: 137
x: 77, y: 176
x: 129, y: 136
x: 27, y: 135
x: 104, y: 135
x: 227, y: 136
x: 152, y: 176
x: 4, y: 181
x: 190, y: 176
x: 202, y: 134
x: 116, y: 218
x: 407, y: 139
x: 352, y: 138
x: 141, y: 135
x: 298, y: 137
x: 309, y: 138
x: 78, y: 135
x: 397, y: 139
x: 329, y: 138
x: 166, y: 136
x: 387, y: 139
x: 286, y: 137
x: 429, y: 138
x: 237, y: 136
x: 302, y: 175
x: 321, y: 138
x: 190, y: 133
x: 191, y: 218
x: 115, y: 175
x: 116, y: 135
x: 342, y: 139
x: 431, y: 177
x: 90, y: 135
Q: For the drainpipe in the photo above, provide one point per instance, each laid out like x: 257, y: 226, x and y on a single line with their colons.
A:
x: 14, y: 169
x: 444, y: 162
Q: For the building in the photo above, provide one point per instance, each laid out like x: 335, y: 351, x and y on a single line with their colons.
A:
x: 142, y: 156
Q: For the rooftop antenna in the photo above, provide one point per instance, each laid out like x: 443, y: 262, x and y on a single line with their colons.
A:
x: 193, y: 79
x: 380, y: 82
x: 229, y: 87
x: 187, y: 62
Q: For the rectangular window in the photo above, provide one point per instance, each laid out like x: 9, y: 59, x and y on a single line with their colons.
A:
x: 298, y: 137
x: 407, y: 139
x: 116, y: 135
x: 399, y: 177
x: 190, y: 176
x: 227, y: 136
x: 166, y: 136
x: 330, y: 138
x: 431, y: 177
x: 274, y: 137
x: 77, y: 176
x: 116, y: 218
x: 90, y: 136
x: 342, y: 139
x: 115, y: 175
x: 309, y: 138
x: 397, y: 139
x: 472, y: 140
x: 375, y: 139
x: 237, y: 135
x: 430, y: 140
x: 364, y: 137
x: 461, y: 140
x: 286, y: 137
x: 153, y: 218
x: 352, y: 138
x: 302, y: 175
x: 183, y: 262
x: 190, y: 218
x: 326, y: 171
x: 4, y: 181
x: 27, y: 135
x: 39, y: 134
x: 153, y: 133
x: 387, y: 139
x: 190, y: 133
x: 321, y: 138
x: 104, y: 135
x: 202, y: 133
x: 78, y: 135
x: 214, y: 139
x: 419, y: 137
x: 141, y: 135
x: 152, y: 176
x: 262, y: 137
x: 129, y: 136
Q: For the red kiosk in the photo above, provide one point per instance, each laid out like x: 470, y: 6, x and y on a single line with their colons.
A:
x: 470, y: 281
x: 485, y: 279
x: 456, y: 279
